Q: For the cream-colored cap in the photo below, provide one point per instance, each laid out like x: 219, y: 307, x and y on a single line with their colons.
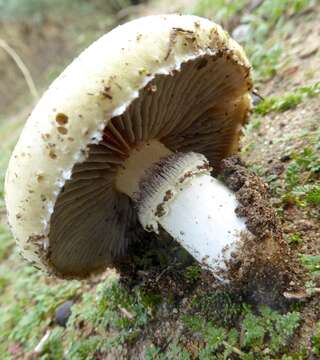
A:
x: 178, y: 79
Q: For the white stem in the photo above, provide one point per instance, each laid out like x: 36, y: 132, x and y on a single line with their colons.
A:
x: 202, y: 218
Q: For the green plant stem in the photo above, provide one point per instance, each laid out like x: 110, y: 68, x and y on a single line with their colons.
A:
x: 233, y: 348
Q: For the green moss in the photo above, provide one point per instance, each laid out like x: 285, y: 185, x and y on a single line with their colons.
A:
x: 258, y: 337
x: 292, y: 175
x: 266, y: 27
x: 312, y: 263
x: 279, y: 103
x: 220, y: 10
x: 28, y: 305
x: 258, y: 169
x: 53, y: 348
x: 278, y: 328
x: 305, y: 195
x: 253, y: 125
x: 192, y: 273
x: 301, y: 185
x: 174, y: 352
x: 221, y: 307
x: 287, y: 101
x: 295, y: 239
x: 316, y: 341
x: 111, y: 315
x: 150, y: 301
x: 6, y: 243
x: 37, y: 10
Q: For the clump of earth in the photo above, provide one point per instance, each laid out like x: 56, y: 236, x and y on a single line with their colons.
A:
x: 264, y: 268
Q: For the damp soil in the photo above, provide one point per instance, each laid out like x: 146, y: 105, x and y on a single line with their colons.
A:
x: 260, y: 271
x: 263, y: 268
x: 158, y: 263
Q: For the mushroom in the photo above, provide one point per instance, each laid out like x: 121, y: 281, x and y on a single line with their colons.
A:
x: 126, y: 136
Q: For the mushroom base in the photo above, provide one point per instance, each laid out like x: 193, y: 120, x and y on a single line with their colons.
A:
x: 261, y: 270
x: 177, y: 193
x: 202, y: 219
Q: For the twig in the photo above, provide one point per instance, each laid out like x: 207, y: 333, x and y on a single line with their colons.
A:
x: 301, y: 295
x: 162, y: 273
x: 256, y: 93
x: 233, y: 349
x: 307, y: 177
x: 23, y: 68
x: 126, y: 313
x: 39, y: 348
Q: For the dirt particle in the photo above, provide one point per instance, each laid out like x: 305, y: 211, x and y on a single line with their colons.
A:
x: 285, y: 158
x: 36, y: 239
x: 149, y: 228
x: 142, y: 71
x: 152, y: 88
x: 175, y: 32
x: 85, y: 131
x: 39, y: 177
x: 62, y: 119
x: 197, y: 25
x: 205, y: 167
x: 106, y: 92
x: 168, y: 195
x: 202, y: 64
x: 187, y: 175
x: 62, y: 130
x: 160, y: 211
x: 45, y: 136
x: 276, y: 169
x: 52, y: 154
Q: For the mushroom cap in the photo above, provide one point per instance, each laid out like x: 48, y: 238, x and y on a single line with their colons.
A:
x: 179, y: 79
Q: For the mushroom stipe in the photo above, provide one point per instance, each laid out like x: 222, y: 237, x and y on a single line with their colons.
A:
x: 124, y: 141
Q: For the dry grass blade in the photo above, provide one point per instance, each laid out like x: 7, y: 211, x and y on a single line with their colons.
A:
x: 23, y: 68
